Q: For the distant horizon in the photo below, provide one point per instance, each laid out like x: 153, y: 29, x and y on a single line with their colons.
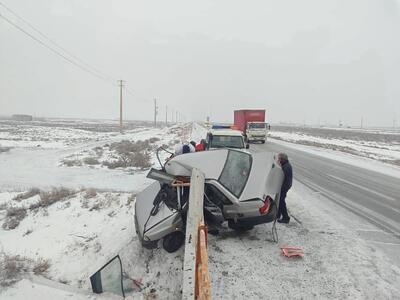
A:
x: 162, y: 121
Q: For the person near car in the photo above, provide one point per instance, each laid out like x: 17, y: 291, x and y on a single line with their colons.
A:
x: 283, y: 160
x: 201, y: 146
x: 184, y: 148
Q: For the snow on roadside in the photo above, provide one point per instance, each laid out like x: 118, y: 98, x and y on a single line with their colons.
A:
x: 23, y: 168
x: 79, y: 233
x: 337, y: 264
x: 370, y: 149
x: 73, y: 233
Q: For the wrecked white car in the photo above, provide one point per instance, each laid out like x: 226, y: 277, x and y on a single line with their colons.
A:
x: 240, y: 188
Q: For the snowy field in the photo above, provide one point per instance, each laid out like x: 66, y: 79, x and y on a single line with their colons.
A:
x: 374, y: 149
x: 374, y: 144
x: 67, y: 192
x: 67, y: 208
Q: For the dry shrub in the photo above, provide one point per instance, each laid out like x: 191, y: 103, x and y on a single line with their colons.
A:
x: 90, y: 193
x: 96, y: 206
x: 391, y: 161
x: 13, y: 267
x: 72, y: 162
x: 28, y: 232
x: 53, y: 196
x: 153, y: 140
x: 141, y: 160
x: 32, y: 192
x: 91, y: 161
x: 174, y: 142
x: 114, y: 164
x: 14, y: 216
x: 41, y: 267
x: 98, y: 150
x: 131, y: 154
x: 4, y: 149
x: 131, y: 199
x: 125, y: 147
x: 137, y: 160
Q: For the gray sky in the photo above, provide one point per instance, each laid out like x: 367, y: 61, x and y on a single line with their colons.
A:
x: 303, y: 61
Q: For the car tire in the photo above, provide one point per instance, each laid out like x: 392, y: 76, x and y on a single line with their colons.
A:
x: 173, y: 241
x: 262, y: 142
x: 239, y: 227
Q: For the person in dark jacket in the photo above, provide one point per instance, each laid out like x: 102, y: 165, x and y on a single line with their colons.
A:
x: 286, y: 185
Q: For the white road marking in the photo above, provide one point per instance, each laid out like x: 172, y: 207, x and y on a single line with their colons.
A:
x: 364, y: 188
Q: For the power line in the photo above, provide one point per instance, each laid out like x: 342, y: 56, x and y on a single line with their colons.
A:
x: 57, y: 45
x: 54, y: 50
x: 70, y: 57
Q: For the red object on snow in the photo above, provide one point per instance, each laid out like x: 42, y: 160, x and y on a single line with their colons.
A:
x: 292, y: 251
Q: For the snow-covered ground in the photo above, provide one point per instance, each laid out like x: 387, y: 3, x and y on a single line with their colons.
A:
x: 92, y: 221
x: 338, y: 262
x: 82, y: 215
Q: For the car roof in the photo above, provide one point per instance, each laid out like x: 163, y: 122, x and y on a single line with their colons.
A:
x: 226, y: 132
x: 265, y: 176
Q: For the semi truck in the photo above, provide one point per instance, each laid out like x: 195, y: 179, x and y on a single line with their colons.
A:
x: 252, y: 124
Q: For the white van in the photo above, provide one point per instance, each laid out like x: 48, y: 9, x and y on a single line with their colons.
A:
x: 226, y: 138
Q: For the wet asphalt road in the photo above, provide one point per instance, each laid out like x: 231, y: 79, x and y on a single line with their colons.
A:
x: 373, y: 196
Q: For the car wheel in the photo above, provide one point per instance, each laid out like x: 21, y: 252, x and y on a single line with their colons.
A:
x: 262, y: 142
x: 238, y: 226
x: 173, y: 241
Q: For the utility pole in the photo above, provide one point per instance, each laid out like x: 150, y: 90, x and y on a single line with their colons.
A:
x: 172, y: 116
x: 121, y: 85
x: 166, y: 115
x: 362, y: 120
x: 176, y: 117
x: 155, y: 112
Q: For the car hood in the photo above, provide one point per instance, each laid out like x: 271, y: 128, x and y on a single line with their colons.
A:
x: 210, y: 163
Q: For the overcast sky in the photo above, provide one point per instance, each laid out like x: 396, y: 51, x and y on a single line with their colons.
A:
x: 303, y: 61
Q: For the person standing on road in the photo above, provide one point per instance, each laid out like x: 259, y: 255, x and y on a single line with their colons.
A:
x: 286, y: 185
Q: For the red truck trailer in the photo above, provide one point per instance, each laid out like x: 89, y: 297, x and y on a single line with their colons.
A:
x: 252, y: 123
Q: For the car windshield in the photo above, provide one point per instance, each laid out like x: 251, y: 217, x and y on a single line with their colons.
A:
x: 257, y: 126
x: 236, y: 171
x: 227, y: 141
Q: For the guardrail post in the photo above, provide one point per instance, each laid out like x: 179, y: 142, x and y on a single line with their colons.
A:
x: 195, y: 286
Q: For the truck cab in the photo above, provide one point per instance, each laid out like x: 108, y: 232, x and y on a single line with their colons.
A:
x: 257, y: 131
x: 225, y: 138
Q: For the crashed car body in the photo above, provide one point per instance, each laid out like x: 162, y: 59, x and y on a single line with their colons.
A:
x: 240, y: 188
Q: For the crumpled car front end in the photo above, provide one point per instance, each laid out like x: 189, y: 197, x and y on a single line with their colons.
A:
x: 153, y: 218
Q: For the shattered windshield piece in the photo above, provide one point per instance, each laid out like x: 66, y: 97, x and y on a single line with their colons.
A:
x: 225, y: 141
x: 236, y: 171
x: 109, y: 278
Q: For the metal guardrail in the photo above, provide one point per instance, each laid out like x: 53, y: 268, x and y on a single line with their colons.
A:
x: 196, y: 279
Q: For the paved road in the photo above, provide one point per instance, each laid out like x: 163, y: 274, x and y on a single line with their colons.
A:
x: 371, y: 195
